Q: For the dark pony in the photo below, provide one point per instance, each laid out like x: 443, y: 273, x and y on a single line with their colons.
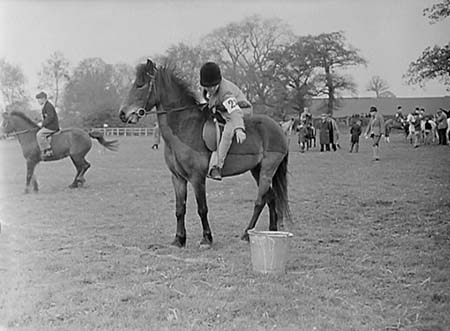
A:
x: 181, y: 120
x: 73, y: 142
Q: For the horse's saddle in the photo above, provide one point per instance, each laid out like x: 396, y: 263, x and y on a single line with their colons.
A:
x: 49, y: 136
x: 210, y: 134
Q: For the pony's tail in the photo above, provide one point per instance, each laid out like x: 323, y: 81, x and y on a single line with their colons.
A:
x: 280, y: 189
x: 112, y: 145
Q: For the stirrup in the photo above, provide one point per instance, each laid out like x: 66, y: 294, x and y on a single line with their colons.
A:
x: 215, y: 173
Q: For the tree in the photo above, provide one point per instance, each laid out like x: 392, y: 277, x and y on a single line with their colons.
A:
x: 187, y: 60
x: 12, y: 82
x: 294, y: 71
x: 380, y: 87
x: 243, y: 50
x: 434, y: 63
x: 333, y: 54
x: 122, y: 77
x: 91, y: 97
x: 54, y: 72
x: 438, y: 11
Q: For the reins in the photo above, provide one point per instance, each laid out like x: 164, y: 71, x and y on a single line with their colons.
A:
x: 16, y: 133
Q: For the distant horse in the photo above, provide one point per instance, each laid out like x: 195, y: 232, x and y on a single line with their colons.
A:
x: 181, y: 120
x: 74, y: 142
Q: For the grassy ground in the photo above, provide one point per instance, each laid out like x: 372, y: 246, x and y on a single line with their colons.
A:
x: 370, y: 251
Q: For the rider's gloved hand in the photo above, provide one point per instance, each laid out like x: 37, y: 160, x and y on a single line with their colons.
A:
x: 240, y: 136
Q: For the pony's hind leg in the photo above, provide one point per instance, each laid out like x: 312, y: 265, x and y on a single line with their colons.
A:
x: 262, y: 198
x: 84, y: 167
x: 268, y: 198
x: 78, y: 163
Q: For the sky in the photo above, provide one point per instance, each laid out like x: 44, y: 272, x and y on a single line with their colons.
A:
x: 388, y: 33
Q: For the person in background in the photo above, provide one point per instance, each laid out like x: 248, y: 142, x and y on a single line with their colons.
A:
x: 156, y: 136
x: 324, y: 134
x: 417, y: 128
x: 302, y: 132
x: 375, y: 130
x: 334, y: 134
x: 355, y: 132
x: 50, y: 124
x: 441, y: 121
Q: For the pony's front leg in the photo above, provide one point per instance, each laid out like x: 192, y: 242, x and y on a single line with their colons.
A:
x: 31, y: 165
x: 180, y: 186
x: 202, y: 209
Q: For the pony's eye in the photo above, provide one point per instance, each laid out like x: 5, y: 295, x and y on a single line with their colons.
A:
x: 140, y: 83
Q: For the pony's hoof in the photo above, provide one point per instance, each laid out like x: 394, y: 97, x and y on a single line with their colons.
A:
x: 245, y: 237
x: 179, y: 242
x: 73, y: 185
x: 205, y: 243
x: 26, y: 191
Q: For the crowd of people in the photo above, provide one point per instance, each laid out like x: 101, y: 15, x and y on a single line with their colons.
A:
x: 419, y: 129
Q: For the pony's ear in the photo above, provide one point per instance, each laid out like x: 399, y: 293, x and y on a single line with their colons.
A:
x: 150, y: 67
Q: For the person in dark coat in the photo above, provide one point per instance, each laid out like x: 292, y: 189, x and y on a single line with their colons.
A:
x: 324, y: 135
x: 355, y: 132
x: 50, y: 124
x: 302, y: 132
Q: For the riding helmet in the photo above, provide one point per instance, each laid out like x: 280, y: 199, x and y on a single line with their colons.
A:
x: 210, y: 74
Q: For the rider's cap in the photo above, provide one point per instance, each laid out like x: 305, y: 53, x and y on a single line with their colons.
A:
x: 373, y: 108
x: 210, y: 75
x: 41, y: 95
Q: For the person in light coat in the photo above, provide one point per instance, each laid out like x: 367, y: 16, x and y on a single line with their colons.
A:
x: 375, y: 130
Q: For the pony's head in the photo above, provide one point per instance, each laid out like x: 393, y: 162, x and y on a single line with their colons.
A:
x: 141, y: 96
x: 16, y: 121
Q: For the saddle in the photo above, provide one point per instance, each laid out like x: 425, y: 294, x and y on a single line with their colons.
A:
x: 51, y: 135
x: 210, y: 134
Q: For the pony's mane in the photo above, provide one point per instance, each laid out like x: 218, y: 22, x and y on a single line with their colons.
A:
x: 169, y: 76
x: 24, y: 117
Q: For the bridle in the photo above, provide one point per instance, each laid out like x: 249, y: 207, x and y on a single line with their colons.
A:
x: 141, y: 112
x: 17, y: 133
x: 14, y: 133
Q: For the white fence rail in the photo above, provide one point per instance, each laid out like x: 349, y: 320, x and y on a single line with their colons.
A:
x: 126, y: 131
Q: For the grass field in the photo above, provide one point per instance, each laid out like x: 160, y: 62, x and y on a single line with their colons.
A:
x: 371, y: 245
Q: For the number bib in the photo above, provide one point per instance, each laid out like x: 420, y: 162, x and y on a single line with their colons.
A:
x: 231, y: 104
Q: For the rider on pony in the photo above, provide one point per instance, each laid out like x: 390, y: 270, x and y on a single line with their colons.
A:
x: 49, y: 124
x: 227, y: 100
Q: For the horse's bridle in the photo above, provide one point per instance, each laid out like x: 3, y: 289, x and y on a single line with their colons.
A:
x: 141, y: 112
x: 14, y: 133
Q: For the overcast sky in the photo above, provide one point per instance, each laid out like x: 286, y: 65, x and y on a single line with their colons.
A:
x: 389, y: 33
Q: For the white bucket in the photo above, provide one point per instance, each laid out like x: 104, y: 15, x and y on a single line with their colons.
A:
x: 269, y: 251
